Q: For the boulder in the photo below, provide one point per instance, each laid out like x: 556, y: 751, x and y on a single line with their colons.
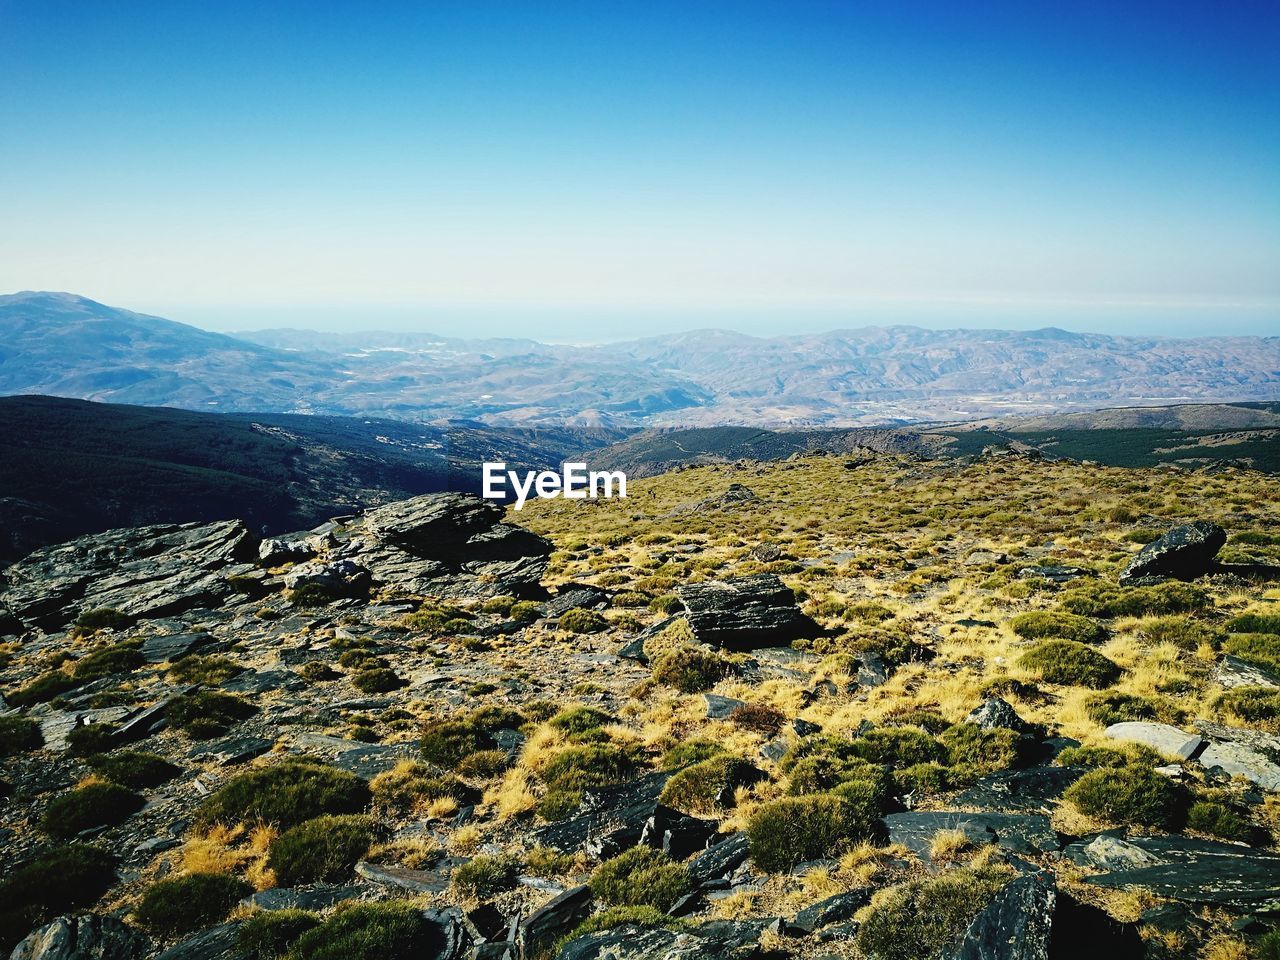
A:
x: 435, y: 880
x: 553, y: 920
x: 85, y: 937
x: 144, y: 572
x: 341, y: 578
x: 677, y: 834
x: 1200, y: 871
x: 1033, y: 790
x: 427, y: 521
x: 608, y: 820
x: 1239, y: 760
x: 714, y: 865
x: 997, y: 714
x: 572, y: 596
x: 272, y: 553
x: 744, y: 612
x: 824, y: 913
x: 170, y: 647
x: 724, y: 940
x: 1164, y: 739
x: 720, y: 708
x: 1185, y: 552
x: 1016, y: 925
x: 213, y: 943
x: 1233, y: 672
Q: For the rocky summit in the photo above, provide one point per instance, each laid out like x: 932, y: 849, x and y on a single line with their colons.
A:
x: 1007, y: 708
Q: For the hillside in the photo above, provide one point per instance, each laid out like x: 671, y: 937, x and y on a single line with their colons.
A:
x: 875, y: 376
x: 69, y: 467
x: 784, y: 710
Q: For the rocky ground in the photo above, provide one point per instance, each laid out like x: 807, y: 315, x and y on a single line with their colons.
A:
x: 879, y: 708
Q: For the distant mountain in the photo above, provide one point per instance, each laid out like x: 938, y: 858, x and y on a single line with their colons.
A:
x: 1181, y: 416
x: 68, y: 345
x: 70, y: 467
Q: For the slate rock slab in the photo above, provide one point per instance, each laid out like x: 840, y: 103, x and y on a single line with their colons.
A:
x: 995, y: 713
x: 572, y: 596
x: 1033, y: 790
x: 262, y: 681
x: 311, y: 898
x: 715, y: 864
x: 168, y: 648
x: 1016, y: 925
x: 724, y: 940
x: 1233, y: 672
x: 835, y: 909
x: 1018, y: 832
x: 1239, y: 760
x: 744, y: 612
x: 554, y: 919
x: 435, y: 880
x: 214, y: 943
x: 231, y: 751
x: 1161, y: 737
x: 719, y: 708
x: 1185, y: 552
x: 1202, y: 871
x: 607, y: 817
x: 85, y: 937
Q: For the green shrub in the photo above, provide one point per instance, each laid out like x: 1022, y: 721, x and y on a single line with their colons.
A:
x: 665, y: 604
x: 1258, y: 706
x: 690, y: 669
x: 785, y: 832
x: 921, y: 918
x: 179, y: 905
x: 378, y: 680
x: 576, y: 768
x: 1046, y: 624
x: 1260, y: 649
x: 500, y: 605
x: 929, y: 779
x: 640, y: 877
x: 975, y: 751
x: 391, y: 930
x: 412, y: 786
x: 1217, y: 820
x: 90, y: 738
x: 269, y: 934
x: 18, y: 735
x: 900, y: 746
x: 1255, y: 623
x: 1182, y: 632
x: 93, y: 805
x: 54, y: 881
x: 689, y: 752
x: 133, y: 768
x: 578, y: 620
x: 117, y: 658
x: 285, y: 794
x: 1133, y: 795
x: 312, y: 595
x: 321, y: 850
x: 1113, y: 757
x: 1267, y: 947
x: 484, y: 765
x: 707, y: 786
x: 526, y: 611
x: 581, y: 721
x: 613, y: 917
x: 206, y: 713
x: 760, y: 718
x: 448, y: 743
x: 485, y: 875
x: 1104, y: 600
x: 209, y: 670
x: 43, y: 688
x: 1108, y: 708
x: 1070, y: 663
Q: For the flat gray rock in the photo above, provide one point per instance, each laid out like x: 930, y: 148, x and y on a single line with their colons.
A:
x: 1201, y: 871
x: 1016, y: 925
x: 402, y: 878
x: 84, y: 937
x: 1233, y: 672
x: 744, y: 612
x: 1166, y: 740
x: 719, y: 708
x: 169, y: 647
x: 1018, y: 832
x: 1239, y: 760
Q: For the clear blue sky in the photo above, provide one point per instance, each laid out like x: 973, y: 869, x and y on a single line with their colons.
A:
x: 603, y: 169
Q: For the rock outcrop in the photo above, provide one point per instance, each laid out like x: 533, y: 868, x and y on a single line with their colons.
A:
x: 1184, y: 553
x: 755, y: 611
x: 85, y: 937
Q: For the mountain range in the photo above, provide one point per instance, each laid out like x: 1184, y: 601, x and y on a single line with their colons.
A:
x: 68, y: 345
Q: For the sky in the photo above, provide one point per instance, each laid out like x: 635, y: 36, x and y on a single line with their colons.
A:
x: 602, y: 170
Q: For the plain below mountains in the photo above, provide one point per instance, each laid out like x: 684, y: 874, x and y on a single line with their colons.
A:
x: 67, y: 345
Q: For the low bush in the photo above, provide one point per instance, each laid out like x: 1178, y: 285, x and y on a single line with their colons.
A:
x: 18, y: 735
x: 203, y: 714
x: 690, y: 669
x: 900, y: 746
x: 285, y: 795
x: 785, y: 832
x: 325, y: 849
x: 709, y: 786
x: 90, y: 738
x: 42, y: 689
x: 1257, y: 706
x: 485, y: 875
x: 484, y: 765
x: 56, y: 880
x: 573, y: 769
x: 108, y: 661
x: 132, y: 768
x: 640, y: 877
x: 102, y: 618
x: 1255, y: 623
x: 613, y: 917
x: 179, y: 905
x: 268, y: 934
x: 759, y: 718
x: 974, y: 751
x: 1217, y: 820
x: 578, y: 620
x: 1047, y: 624
x: 580, y: 721
x: 525, y: 611
x: 391, y: 930
x: 446, y: 744
x: 1134, y: 795
x: 1070, y: 663
x: 1108, y: 708
x: 1260, y: 649
x: 209, y: 670
x: 1105, y: 600
x: 1182, y: 632
x: 688, y: 752
x: 411, y: 786
x: 1113, y: 757
x: 378, y: 680
x: 89, y: 806
x: 922, y: 917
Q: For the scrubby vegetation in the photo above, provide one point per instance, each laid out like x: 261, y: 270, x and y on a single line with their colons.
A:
x: 178, y: 905
x: 89, y: 806
x: 285, y: 794
x: 52, y: 881
x: 921, y: 917
x: 1133, y: 794
x: 1070, y: 663
x: 393, y: 930
x: 269, y: 934
x: 18, y: 734
x: 321, y: 850
x: 640, y: 877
